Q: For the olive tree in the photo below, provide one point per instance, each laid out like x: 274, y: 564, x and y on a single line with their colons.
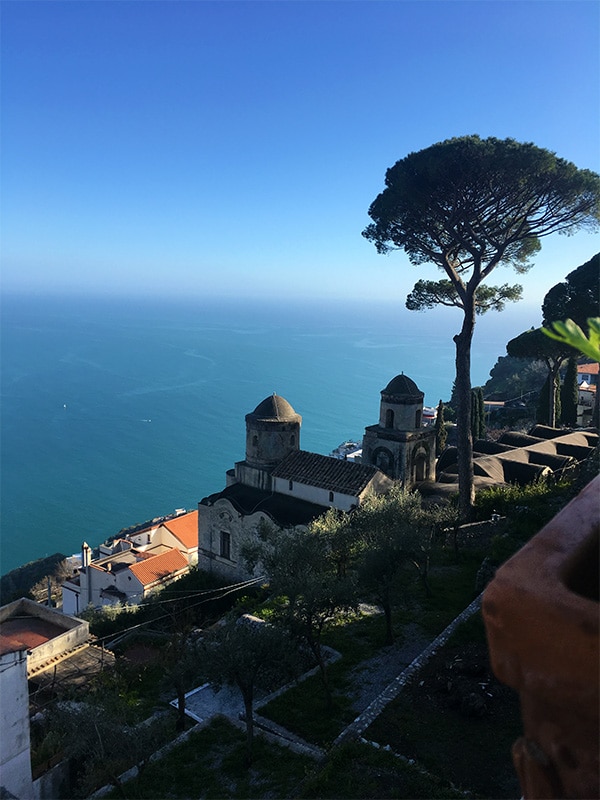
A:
x: 304, y: 574
x: 248, y: 653
x: 469, y: 205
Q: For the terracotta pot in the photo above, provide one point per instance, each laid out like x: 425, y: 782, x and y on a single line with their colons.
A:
x: 542, y: 618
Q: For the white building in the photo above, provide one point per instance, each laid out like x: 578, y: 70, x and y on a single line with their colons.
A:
x: 15, y: 755
x: 34, y: 640
x: 129, y: 569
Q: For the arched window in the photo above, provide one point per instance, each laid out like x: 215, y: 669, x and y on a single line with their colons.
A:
x: 255, y: 441
x: 291, y: 485
x: 331, y: 497
x: 418, y: 418
x: 292, y: 440
x: 389, y: 418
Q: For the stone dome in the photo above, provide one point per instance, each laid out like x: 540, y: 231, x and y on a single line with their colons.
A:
x: 275, y: 408
x: 405, y: 388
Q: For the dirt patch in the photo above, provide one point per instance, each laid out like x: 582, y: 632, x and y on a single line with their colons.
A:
x: 373, y: 676
x: 142, y: 654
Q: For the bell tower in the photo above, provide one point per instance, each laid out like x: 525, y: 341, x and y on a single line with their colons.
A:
x: 399, y: 445
x: 272, y: 433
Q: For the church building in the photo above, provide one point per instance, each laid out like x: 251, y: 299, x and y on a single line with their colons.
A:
x: 399, y: 445
x: 278, y: 483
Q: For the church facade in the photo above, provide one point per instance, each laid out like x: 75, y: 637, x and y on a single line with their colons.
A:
x: 399, y: 445
x: 277, y: 483
x: 283, y: 485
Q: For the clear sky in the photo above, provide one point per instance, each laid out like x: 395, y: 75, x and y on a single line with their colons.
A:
x: 232, y: 147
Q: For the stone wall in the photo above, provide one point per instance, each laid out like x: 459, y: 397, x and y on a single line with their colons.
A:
x: 475, y: 534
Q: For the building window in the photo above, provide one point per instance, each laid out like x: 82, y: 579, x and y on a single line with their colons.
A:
x: 291, y: 486
x: 418, y: 418
x: 255, y: 441
x: 389, y: 418
x: 331, y: 497
x: 292, y: 440
x: 225, y: 545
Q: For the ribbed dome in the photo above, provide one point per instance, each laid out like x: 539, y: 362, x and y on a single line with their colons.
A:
x: 403, y: 386
x: 276, y: 408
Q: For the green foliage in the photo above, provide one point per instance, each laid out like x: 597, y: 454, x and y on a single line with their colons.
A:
x: 535, y: 344
x: 512, y: 378
x: 569, y: 395
x: 198, y: 594
x: 22, y: 582
x: 357, y: 771
x: 248, y: 654
x: 110, y: 620
x: 569, y: 334
x: 577, y: 297
x: 210, y: 764
x: 393, y: 531
x: 468, y: 198
x: 105, y: 735
x: 303, y: 568
x: 469, y: 205
x: 528, y: 508
x: 441, y: 434
x: 547, y: 412
x: 427, y: 721
x: 428, y: 294
x: 477, y: 413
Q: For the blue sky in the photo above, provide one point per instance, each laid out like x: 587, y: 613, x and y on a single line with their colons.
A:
x: 210, y: 148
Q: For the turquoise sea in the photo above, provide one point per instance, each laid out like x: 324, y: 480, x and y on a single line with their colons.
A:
x: 115, y: 411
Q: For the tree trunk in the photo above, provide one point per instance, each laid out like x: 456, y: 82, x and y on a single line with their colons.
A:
x: 248, y: 703
x: 464, y: 444
x: 318, y: 654
x: 389, y: 631
x: 180, y: 708
x: 552, y: 398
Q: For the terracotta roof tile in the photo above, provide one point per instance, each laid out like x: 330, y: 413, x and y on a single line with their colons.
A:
x: 325, y: 472
x: 590, y: 369
x: 153, y: 569
x: 185, y: 528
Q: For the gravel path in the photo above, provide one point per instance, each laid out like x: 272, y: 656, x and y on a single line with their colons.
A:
x: 371, y: 677
x: 368, y: 679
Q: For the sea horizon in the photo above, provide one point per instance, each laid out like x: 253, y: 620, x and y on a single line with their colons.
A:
x: 116, y: 410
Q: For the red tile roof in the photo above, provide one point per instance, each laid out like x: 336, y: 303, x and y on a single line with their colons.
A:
x: 185, y: 528
x: 590, y: 369
x: 151, y: 570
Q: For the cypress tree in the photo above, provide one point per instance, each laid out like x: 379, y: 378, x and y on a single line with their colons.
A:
x: 481, y: 411
x: 543, y: 406
x: 569, y: 395
x: 441, y: 434
x: 477, y: 413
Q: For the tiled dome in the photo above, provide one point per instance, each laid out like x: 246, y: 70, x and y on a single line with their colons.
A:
x: 403, y: 386
x: 275, y: 408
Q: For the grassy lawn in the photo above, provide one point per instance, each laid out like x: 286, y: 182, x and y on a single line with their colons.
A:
x: 211, y: 764
x: 435, y: 722
x: 358, y: 771
x: 303, y: 709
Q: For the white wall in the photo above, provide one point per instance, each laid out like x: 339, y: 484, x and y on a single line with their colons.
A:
x: 314, y: 494
x: 15, y: 758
